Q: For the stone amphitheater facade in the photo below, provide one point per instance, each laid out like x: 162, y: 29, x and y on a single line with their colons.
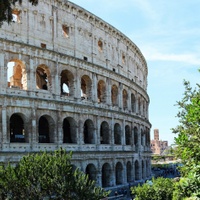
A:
x: 71, y: 80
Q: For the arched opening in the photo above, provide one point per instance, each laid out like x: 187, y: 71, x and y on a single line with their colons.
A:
x: 16, y: 76
x: 104, y: 133
x: 125, y: 99
x: 101, y: 92
x: 106, y: 175
x: 128, y: 135
x: 86, y: 88
x: 43, y: 129
x: 69, y: 130
x: 119, y: 173
x: 137, y: 171
x: 129, y: 171
x: 88, y: 130
x: 17, y: 133
x: 114, y: 95
x: 136, y: 138
x: 43, y: 78
x: 67, y: 83
x: 133, y: 103
x: 91, y: 172
x: 117, y: 134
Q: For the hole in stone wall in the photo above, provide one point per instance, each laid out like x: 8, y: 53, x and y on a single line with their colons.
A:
x: 65, y: 31
x: 16, y: 15
x: 100, y: 45
x: 43, y: 45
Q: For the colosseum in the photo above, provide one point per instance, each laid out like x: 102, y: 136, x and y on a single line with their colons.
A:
x: 71, y: 80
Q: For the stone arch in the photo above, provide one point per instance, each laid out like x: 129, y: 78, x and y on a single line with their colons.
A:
x: 104, y: 133
x: 91, y: 171
x: 129, y: 171
x: 101, y: 91
x: 137, y: 170
x: 16, y: 74
x: 46, y: 127
x: 43, y: 78
x: 17, y: 128
x: 125, y: 99
x: 114, y: 95
x: 88, y: 132
x: 117, y: 134
x: 106, y: 175
x: 86, y: 87
x: 69, y: 130
x: 128, y: 135
x: 133, y: 103
x: 67, y: 83
x: 119, y: 173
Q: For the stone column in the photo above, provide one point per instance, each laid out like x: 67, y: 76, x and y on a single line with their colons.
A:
x: 124, y: 172
x: 98, y: 139
x: 3, y: 72
x: 120, y: 99
x: 34, y: 131
x: 59, y: 128
x: 129, y: 100
x: 108, y: 91
x: 56, y: 88
x: 5, y: 137
x: 77, y: 85
x: 112, y: 131
x: 123, y: 133
x: 32, y: 76
x: 94, y: 88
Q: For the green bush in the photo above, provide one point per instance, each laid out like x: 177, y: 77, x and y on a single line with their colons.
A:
x: 158, y: 189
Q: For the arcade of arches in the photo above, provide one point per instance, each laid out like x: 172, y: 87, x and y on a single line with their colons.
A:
x: 106, y: 136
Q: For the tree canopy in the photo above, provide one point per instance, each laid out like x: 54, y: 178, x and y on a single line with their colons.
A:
x: 6, y: 9
x: 188, y: 142
x: 47, y: 175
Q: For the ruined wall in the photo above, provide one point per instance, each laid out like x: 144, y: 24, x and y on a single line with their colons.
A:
x: 70, y: 79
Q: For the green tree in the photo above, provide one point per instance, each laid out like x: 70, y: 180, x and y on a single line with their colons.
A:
x: 188, y: 142
x: 158, y: 189
x: 49, y: 175
x: 6, y: 9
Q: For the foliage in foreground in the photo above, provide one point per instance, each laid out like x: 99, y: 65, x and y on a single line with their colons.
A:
x: 6, y: 9
x: 188, y: 143
x: 158, y: 189
x: 48, y: 175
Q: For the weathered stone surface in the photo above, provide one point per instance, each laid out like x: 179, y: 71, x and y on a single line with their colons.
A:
x: 69, y: 79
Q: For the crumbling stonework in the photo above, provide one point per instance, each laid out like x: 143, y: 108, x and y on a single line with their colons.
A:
x: 69, y: 79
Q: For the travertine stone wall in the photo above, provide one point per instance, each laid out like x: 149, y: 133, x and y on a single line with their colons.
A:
x: 70, y: 79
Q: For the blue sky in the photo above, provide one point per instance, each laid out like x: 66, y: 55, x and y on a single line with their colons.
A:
x: 168, y: 35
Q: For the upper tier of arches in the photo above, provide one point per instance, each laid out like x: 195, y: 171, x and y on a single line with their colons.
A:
x: 66, y: 28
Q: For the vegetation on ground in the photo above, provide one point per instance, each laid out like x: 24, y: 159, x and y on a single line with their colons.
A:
x: 47, y: 175
x: 188, y: 143
x: 187, y: 149
x: 157, y: 189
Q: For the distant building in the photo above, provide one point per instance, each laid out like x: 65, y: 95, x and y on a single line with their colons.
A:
x: 158, y: 146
